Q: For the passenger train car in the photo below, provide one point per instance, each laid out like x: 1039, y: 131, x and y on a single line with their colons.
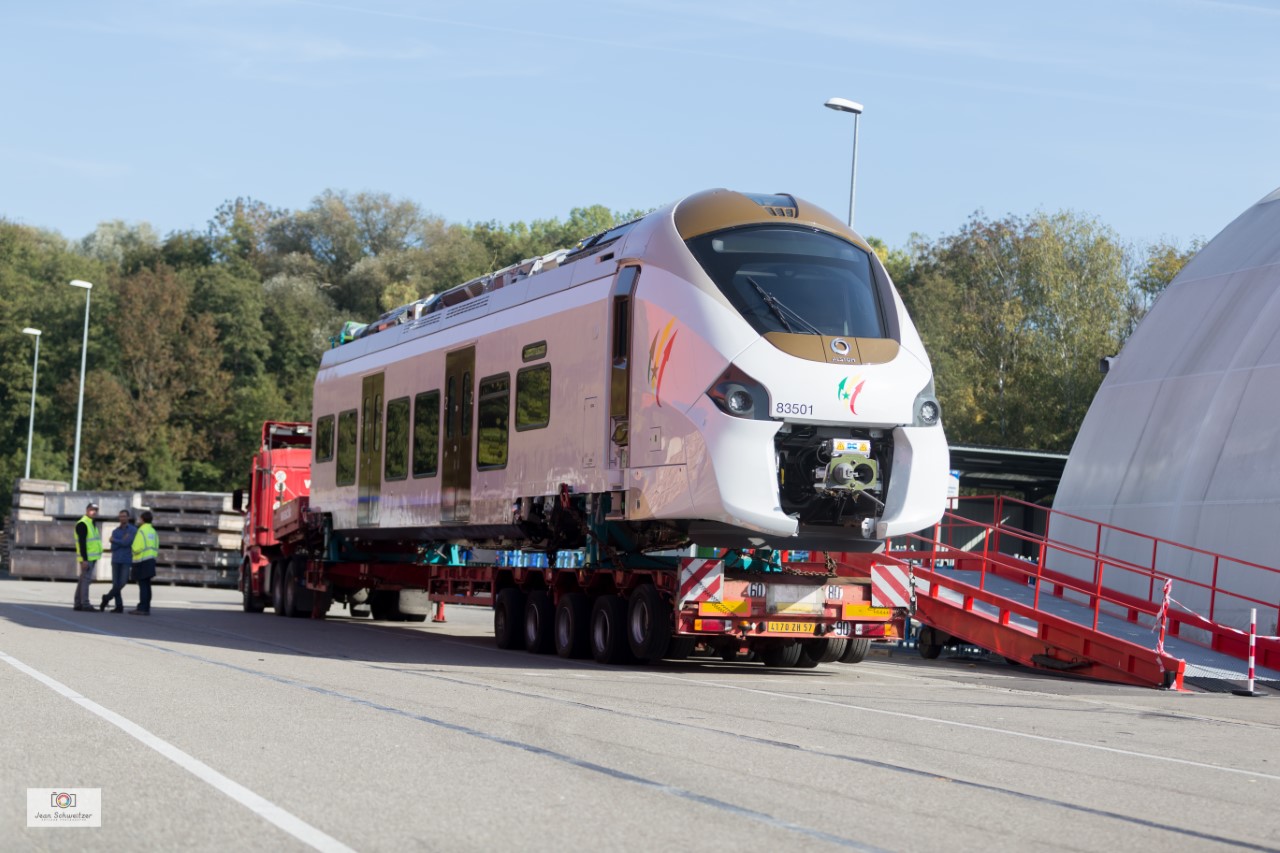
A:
x: 734, y: 370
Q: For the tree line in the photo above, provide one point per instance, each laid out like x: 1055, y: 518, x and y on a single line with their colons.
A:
x: 197, y: 337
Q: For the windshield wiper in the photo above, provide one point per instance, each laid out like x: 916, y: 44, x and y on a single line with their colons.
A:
x: 781, y: 311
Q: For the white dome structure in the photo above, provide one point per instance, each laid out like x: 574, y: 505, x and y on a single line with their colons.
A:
x: 1182, y: 441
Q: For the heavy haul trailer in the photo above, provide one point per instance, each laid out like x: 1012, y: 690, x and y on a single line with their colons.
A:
x: 615, y: 607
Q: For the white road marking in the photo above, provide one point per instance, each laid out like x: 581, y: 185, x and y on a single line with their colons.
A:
x: 295, y: 826
x: 973, y: 726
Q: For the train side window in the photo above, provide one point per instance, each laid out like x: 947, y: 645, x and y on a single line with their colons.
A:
x: 494, y: 426
x: 324, y: 439
x: 533, y: 397
x: 348, y: 430
x: 397, y: 453
x: 426, y: 434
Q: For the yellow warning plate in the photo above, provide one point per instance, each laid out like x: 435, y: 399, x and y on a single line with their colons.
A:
x: 866, y: 611
x: 789, y: 627
x: 724, y: 608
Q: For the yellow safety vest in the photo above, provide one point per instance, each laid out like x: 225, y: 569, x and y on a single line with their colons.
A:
x: 93, y: 541
x: 146, y: 544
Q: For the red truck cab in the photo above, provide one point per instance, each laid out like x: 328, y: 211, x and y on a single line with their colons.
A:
x: 281, y: 472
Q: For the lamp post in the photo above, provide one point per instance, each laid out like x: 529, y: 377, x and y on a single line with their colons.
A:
x: 846, y: 106
x: 35, y: 368
x: 84, y: 352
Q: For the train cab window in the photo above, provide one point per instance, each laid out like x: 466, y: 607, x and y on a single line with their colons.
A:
x: 494, y: 426
x: 397, y: 443
x: 324, y: 439
x: 533, y: 397
x: 797, y: 280
x: 348, y: 432
x: 426, y: 434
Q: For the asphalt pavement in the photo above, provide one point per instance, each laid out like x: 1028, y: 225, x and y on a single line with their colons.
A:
x: 206, y: 728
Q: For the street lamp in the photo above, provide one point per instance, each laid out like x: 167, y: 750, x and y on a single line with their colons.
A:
x: 84, y: 351
x: 35, y: 367
x: 844, y: 105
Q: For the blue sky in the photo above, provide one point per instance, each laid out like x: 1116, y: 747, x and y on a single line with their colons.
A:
x: 1160, y: 117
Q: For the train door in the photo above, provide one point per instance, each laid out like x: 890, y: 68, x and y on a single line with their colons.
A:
x: 623, y: 296
x: 459, y: 403
x: 370, y: 476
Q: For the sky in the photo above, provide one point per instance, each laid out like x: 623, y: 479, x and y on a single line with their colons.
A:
x: 1159, y: 117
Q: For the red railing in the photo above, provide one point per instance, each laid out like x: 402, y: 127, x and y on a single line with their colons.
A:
x: 960, y: 531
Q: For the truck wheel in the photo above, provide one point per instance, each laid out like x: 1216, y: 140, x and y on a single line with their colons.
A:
x: 539, y: 623
x: 856, y: 652
x: 782, y: 654
x: 648, y: 624
x: 250, y: 602
x: 609, y: 630
x: 573, y: 625
x: 277, y: 587
x: 508, y: 618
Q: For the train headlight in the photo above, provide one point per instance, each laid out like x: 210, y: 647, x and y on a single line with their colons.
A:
x: 927, y: 411
x: 739, y: 401
x: 737, y: 394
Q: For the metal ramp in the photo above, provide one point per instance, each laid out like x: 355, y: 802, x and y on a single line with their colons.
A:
x: 992, y: 574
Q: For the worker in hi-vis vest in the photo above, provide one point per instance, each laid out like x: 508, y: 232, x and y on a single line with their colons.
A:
x: 88, y: 551
x: 146, y: 547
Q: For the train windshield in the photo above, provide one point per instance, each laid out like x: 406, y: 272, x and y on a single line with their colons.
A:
x: 789, y: 279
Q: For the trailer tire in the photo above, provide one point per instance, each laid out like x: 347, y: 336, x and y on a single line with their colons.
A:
x: 291, y: 575
x: 277, y: 588
x: 811, y: 652
x: 930, y: 643
x: 834, y: 650
x: 384, y: 604
x: 508, y: 619
x: 573, y: 625
x: 609, y: 630
x: 782, y: 654
x: 539, y: 623
x: 250, y: 602
x: 648, y: 624
x: 856, y: 652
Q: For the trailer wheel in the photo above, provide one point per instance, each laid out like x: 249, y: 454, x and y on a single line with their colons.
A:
x: 573, y: 625
x: 834, y: 650
x: 277, y: 588
x: 250, y: 602
x: 508, y: 618
x: 811, y: 652
x: 648, y: 624
x: 930, y: 643
x: 609, y: 630
x: 782, y: 654
x: 292, y: 606
x: 539, y: 623
x: 856, y: 651
x: 384, y: 604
